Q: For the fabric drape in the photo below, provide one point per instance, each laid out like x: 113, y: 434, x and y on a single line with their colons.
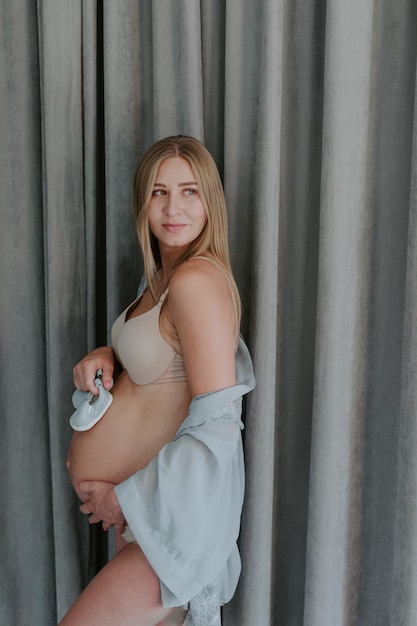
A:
x: 309, y: 109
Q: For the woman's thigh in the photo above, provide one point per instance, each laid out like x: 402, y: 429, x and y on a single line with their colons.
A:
x: 126, y: 591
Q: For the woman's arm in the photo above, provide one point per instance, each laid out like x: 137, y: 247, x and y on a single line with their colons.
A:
x: 200, y: 307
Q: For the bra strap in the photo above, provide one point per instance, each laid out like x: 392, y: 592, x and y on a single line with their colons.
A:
x: 163, y: 296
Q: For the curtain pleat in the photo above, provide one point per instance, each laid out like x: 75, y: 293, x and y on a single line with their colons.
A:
x: 64, y: 247
x: 25, y: 484
x: 404, y: 581
x: 127, y: 131
x: 362, y: 266
x: 340, y: 388
x: 300, y: 188
x: 309, y: 109
x: 254, y: 37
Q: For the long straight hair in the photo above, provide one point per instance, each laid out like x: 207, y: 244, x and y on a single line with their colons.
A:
x: 214, y: 235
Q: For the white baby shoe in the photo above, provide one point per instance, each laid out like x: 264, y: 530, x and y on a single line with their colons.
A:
x: 90, y: 408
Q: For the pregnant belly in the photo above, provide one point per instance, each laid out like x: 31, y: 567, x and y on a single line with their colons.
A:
x: 139, y: 422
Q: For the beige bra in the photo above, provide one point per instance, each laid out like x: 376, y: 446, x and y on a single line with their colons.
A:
x: 142, y: 350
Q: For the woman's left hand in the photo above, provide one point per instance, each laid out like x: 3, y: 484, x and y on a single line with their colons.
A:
x: 100, y: 502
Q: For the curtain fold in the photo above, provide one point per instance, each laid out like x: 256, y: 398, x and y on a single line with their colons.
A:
x: 64, y: 249
x: 300, y: 189
x: 403, y: 606
x: 24, y: 450
x: 254, y: 35
x: 363, y: 249
x: 309, y: 109
x: 339, y: 405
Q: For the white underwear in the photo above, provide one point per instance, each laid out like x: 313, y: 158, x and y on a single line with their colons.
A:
x: 128, y: 536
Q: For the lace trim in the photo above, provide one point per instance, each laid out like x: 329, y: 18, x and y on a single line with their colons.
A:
x: 230, y: 412
x: 204, y: 608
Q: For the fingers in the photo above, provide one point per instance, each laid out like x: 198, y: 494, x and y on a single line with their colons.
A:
x: 85, y: 488
x: 84, y: 373
x: 120, y: 527
x: 106, y: 524
x: 107, y: 377
x: 100, y: 503
x: 86, y: 508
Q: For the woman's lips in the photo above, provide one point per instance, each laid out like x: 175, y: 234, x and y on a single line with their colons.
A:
x: 173, y: 228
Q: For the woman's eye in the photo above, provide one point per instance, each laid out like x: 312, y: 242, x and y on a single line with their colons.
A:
x: 190, y: 191
x: 159, y: 192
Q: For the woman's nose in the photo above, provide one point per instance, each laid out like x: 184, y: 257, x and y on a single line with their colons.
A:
x: 172, y: 206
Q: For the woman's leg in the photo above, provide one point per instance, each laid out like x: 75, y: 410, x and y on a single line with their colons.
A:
x: 126, y: 591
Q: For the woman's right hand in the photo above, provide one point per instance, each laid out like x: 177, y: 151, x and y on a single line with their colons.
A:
x: 84, y: 373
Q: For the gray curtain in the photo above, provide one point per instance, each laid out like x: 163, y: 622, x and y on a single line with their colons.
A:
x: 308, y: 107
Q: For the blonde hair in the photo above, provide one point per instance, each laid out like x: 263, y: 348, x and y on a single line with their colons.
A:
x: 214, y: 236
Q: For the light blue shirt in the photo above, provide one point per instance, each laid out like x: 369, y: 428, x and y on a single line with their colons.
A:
x: 184, y: 508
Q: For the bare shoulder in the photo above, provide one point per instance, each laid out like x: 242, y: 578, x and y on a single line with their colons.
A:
x: 199, y: 280
x: 201, y: 310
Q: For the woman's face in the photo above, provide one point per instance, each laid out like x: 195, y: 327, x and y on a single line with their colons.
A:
x: 176, y: 214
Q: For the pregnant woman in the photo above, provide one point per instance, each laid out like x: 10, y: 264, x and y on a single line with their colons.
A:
x: 164, y: 465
